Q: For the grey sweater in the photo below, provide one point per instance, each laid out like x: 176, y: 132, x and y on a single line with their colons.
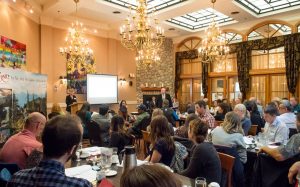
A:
x: 220, y: 137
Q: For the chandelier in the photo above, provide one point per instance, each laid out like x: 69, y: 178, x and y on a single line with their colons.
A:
x: 213, y: 47
x: 77, y: 49
x: 141, y: 32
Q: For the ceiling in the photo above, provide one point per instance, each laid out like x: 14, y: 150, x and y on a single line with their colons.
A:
x: 185, y: 17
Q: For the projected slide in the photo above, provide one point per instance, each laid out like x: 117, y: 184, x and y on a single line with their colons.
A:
x: 102, y: 89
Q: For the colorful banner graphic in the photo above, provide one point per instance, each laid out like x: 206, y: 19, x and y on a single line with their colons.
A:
x: 21, y: 93
x: 12, y: 54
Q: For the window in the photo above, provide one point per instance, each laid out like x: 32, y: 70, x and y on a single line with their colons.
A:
x: 268, y: 59
x: 258, y: 88
x: 269, y: 30
x: 227, y: 65
x: 279, y: 86
x: 234, y: 88
x: 217, y: 88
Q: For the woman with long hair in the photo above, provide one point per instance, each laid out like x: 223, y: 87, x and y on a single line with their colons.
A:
x: 255, y: 117
x: 85, y: 115
x: 163, y: 147
x: 118, y: 136
x: 231, y: 133
x: 222, y: 110
x: 204, y: 161
x: 55, y: 111
x: 149, y: 176
x: 182, y: 131
x: 157, y: 112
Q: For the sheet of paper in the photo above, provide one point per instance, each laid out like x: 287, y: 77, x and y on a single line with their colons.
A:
x: 139, y: 162
x: 248, y: 140
x: 83, y: 172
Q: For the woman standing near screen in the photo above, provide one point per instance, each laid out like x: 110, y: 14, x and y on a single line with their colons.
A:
x: 70, y: 99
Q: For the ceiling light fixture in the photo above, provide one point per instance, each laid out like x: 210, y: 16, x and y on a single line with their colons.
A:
x: 213, y: 48
x: 77, y: 50
x: 142, y: 33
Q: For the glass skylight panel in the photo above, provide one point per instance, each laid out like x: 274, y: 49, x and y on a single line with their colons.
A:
x: 267, y: 6
x: 201, y: 19
x: 151, y: 4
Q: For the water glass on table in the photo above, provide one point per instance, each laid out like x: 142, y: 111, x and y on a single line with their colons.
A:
x: 200, y: 182
x: 106, y: 159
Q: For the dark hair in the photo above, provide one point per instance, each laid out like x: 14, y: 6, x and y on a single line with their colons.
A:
x: 272, y: 110
x: 149, y: 176
x: 60, y: 134
x: 251, y: 106
x: 83, y: 110
x: 199, y: 130
x: 103, y: 109
x: 219, y: 101
x: 122, y: 102
x: 53, y: 114
x: 225, y: 107
x: 201, y: 103
x: 190, y: 118
x: 160, y: 130
x: 117, y: 124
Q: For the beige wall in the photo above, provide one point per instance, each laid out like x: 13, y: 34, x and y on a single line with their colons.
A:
x: 43, y: 42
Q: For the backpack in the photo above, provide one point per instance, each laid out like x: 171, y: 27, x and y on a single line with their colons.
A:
x: 177, y: 163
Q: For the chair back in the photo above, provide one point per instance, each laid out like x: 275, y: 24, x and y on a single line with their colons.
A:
x: 144, y: 123
x: 94, y: 133
x: 253, y: 129
x: 227, y: 162
x: 218, y: 123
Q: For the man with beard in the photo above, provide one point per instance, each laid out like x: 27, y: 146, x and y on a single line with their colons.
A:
x: 60, y: 138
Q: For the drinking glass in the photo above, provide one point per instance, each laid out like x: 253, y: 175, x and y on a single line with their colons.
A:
x: 200, y: 182
x: 94, y: 160
x: 78, y: 155
x: 106, y: 158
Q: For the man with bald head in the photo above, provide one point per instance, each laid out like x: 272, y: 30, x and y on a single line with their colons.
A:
x: 19, y: 146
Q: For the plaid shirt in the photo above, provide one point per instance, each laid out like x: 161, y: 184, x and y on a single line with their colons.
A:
x: 48, y: 173
x: 208, y: 118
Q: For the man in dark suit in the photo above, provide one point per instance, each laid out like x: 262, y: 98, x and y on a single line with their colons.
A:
x: 70, y: 99
x: 163, y: 96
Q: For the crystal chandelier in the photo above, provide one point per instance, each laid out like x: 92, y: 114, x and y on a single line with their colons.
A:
x: 77, y: 49
x: 141, y: 32
x: 213, y: 47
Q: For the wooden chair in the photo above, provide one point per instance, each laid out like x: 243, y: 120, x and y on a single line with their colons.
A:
x: 218, y: 123
x: 147, y: 142
x: 253, y: 129
x: 227, y: 162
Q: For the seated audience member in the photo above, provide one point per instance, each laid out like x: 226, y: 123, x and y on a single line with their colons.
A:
x: 255, y: 115
x: 231, y: 133
x: 275, y: 130
x: 274, y: 104
x: 102, y: 120
x: 149, y: 176
x: 190, y: 108
x: 287, y: 151
x: 136, y: 128
x: 55, y: 110
x: 175, y: 103
x: 169, y: 112
x: 203, y: 114
x: 295, y: 169
x: 204, y: 161
x: 241, y: 111
x: 123, y: 103
x: 222, y: 110
x: 258, y: 103
x: 237, y: 101
x: 18, y: 147
x: 85, y: 115
x: 157, y: 112
x: 118, y: 137
x: 60, y: 138
x: 163, y: 146
x: 123, y: 112
x: 182, y: 131
x: 286, y: 115
x: 295, y: 105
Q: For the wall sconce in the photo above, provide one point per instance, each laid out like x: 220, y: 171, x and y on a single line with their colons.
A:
x: 131, y: 75
x: 63, y: 80
x: 122, y: 81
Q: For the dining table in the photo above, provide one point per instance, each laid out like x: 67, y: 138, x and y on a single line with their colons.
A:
x: 115, y: 180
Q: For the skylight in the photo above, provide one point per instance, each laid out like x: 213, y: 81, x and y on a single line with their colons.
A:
x: 201, y: 19
x: 151, y: 4
x: 261, y: 7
